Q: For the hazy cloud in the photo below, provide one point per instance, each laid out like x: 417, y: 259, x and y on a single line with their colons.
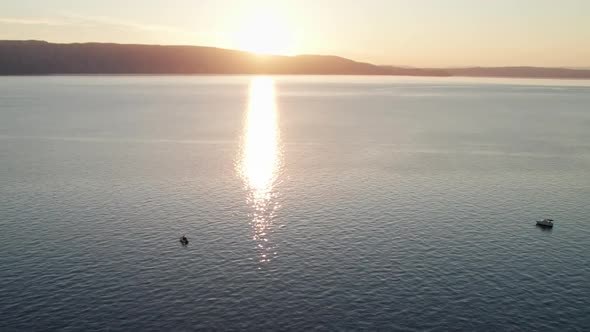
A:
x: 33, y: 21
x: 91, y: 20
x: 74, y: 19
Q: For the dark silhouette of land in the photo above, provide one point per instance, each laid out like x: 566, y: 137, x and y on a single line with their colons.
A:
x: 522, y: 72
x: 37, y: 57
x: 43, y: 58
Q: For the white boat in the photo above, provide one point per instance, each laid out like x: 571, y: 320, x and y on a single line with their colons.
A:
x: 545, y: 222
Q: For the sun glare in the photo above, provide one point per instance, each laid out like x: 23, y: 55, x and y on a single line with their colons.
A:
x: 265, y: 33
x: 260, y: 162
x: 261, y: 152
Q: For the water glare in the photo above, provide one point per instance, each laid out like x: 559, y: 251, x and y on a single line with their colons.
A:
x: 260, y: 162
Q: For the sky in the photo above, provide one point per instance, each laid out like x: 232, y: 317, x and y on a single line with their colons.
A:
x: 421, y: 33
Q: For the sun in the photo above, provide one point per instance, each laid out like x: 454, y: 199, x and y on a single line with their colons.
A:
x: 265, y: 33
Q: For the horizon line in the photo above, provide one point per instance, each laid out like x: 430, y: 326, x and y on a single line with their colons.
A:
x: 296, y: 55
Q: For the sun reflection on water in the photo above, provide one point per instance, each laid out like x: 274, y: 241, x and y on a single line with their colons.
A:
x: 260, y: 161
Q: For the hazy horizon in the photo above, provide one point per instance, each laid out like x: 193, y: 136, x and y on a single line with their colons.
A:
x: 458, y: 33
x: 301, y: 54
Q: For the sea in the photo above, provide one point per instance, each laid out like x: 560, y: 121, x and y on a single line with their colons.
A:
x: 336, y: 203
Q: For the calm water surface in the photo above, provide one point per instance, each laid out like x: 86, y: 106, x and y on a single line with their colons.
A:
x: 333, y: 203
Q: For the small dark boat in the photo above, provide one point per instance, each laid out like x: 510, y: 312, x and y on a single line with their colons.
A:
x: 545, y: 223
x: 183, y: 240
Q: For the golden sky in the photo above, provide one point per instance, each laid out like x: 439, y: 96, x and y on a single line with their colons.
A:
x: 427, y: 33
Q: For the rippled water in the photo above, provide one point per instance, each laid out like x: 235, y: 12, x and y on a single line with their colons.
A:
x: 338, y: 203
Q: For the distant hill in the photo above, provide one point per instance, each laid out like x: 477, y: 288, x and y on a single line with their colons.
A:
x: 43, y: 58
x: 38, y: 57
x: 520, y: 72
